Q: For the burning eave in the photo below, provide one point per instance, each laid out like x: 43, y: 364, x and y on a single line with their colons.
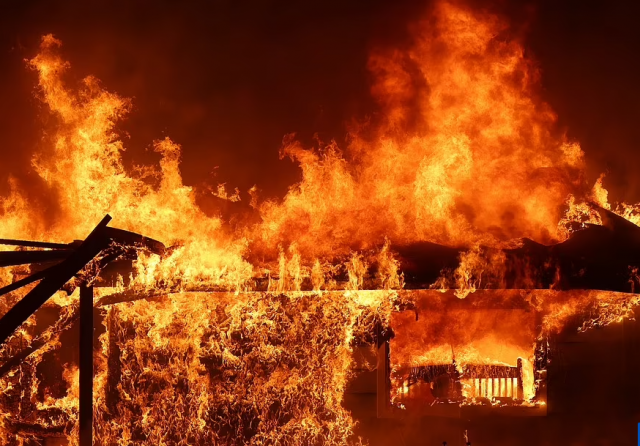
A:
x: 594, y: 257
x: 589, y: 256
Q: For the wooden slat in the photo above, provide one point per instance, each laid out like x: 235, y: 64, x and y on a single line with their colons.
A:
x: 12, y: 258
x: 34, y: 244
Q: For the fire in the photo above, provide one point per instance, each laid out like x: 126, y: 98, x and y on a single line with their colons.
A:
x: 245, y: 336
x: 442, y: 335
x: 84, y: 170
x: 464, y: 153
x: 230, y: 369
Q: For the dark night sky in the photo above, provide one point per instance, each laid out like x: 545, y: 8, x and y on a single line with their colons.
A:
x: 228, y: 79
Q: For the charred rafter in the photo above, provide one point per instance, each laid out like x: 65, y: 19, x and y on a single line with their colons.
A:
x: 112, y: 242
x: 55, y: 278
x: 597, y: 257
x: 103, y: 246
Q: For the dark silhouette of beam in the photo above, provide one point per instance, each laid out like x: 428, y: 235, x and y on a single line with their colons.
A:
x: 115, y: 243
x: 11, y: 258
x: 32, y: 244
x: 132, y: 239
x: 86, y: 366
x: 23, y: 282
x: 55, y: 278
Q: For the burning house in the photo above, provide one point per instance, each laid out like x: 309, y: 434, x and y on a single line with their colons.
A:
x: 448, y: 276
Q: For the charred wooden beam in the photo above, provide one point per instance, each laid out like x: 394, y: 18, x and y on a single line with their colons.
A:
x: 86, y: 366
x: 520, y: 380
x: 23, y: 282
x: 134, y: 240
x: 33, y: 244
x: 130, y: 296
x: 11, y: 258
x: 37, y: 430
x: 56, y: 277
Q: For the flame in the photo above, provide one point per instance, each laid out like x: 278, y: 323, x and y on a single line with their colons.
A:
x: 84, y: 170
x: 471, y: 158
x: 479, y: 268
x: 230, y: 369
x: 462, y: 336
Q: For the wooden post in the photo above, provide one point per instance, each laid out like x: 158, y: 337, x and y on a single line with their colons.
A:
x: 86, y: 366
x: 541, y: 360
x: 520, y: 383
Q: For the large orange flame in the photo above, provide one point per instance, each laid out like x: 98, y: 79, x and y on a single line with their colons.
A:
x: 465, y: 151
x: 85, y: 172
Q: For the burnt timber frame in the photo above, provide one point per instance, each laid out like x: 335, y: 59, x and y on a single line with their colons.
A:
x: 85, y: 402
x: 74, y: 258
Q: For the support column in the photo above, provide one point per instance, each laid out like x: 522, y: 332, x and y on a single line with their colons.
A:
x: 520, y: 394
x: 86, y: 366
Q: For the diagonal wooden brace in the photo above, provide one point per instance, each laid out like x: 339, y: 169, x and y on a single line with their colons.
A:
x: 55, y: 278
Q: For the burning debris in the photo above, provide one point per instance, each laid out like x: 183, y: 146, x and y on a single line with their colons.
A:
x: 437, y: 241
